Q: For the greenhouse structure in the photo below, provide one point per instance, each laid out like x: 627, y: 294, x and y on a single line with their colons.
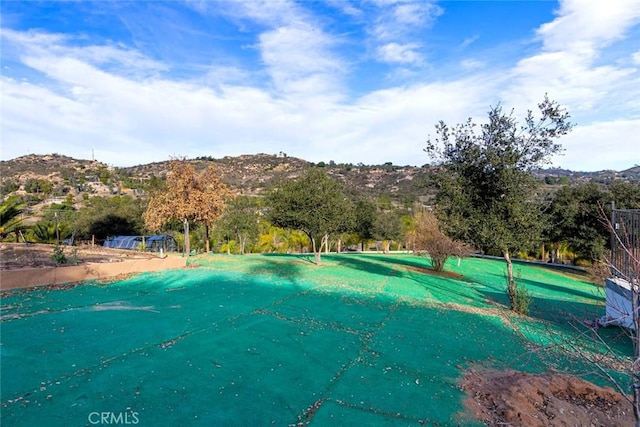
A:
x: 155, y: 243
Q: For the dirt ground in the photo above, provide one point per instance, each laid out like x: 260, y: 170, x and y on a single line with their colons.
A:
x: 511, y: 398
x: 19, y: 255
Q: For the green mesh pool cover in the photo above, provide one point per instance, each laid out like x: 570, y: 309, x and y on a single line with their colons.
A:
x: 276, y: 340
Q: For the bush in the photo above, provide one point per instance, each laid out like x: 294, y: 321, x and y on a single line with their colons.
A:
x: 519, y: 297
x: 58, y: 255
x: 522, y: 300
x: 427, y: 239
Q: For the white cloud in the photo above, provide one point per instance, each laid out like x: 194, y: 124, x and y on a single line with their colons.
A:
x: 472, y: 64
x: 395, y: 28
x: 299, y: 59
x: 219, y: 75
x: 418, y: 13
x: 142, y: 115
x: 270, y: 13
x: 468, y: 41
x: 397, y: 20
x: 567, y: 67
x: 404, y: 54
x: 611, y: 143
x: 583, y: 25
x: 345, y: 7
x: 120, y: 58
x: 635, y: 58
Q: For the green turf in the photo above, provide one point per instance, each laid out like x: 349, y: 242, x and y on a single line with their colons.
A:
x: 276, y: 340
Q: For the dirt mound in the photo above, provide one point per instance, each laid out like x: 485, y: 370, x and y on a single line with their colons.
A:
x: 514, y: 398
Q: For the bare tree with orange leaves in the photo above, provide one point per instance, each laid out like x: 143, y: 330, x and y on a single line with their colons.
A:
x: 188, y: 197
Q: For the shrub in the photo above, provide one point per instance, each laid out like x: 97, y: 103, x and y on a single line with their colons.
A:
x: 428, y: 239
x: 522, y: 300
x: 58, y: 255
x: 519, y: 297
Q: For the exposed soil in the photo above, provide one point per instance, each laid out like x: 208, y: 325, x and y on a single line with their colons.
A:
x: 19, y: 255
x: 512, y: 398
x: 432, y: 272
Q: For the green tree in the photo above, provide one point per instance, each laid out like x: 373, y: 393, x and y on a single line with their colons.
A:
x: 50, y: 231
x: 38, y: 186
x: 103, y: 217
x: 8, y: 187
x: 10, y: 221
x: 387, y: 227
x: 297, y: 241
x: 486, y: 188
x: 314, y: 204
x: 574, y: 219
x: 625, y: 194
x: 240, y: 221
x: 364, y: 217
x: 273, y: 239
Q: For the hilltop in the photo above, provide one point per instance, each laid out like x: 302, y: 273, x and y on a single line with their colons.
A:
x: 246, y: 174
x: 60, y: 176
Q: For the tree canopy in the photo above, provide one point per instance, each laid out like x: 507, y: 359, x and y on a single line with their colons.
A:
x: 188, y: 197
x: 314, y: 204
x: 103, y: 217
x: 486, y: 192
x: 387, y: 226
x: 10, y: 220
x: 240, y: 222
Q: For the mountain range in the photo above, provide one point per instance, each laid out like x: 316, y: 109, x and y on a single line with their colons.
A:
x: 252, y: 175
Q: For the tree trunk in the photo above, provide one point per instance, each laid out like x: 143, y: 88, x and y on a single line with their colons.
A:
x: 326, y: 243
x: 316, y: 252
x: 206, y: 234
x: 511, y: 284
x: 339, y: 245
x: 386, y: 244
x: 187, y: 245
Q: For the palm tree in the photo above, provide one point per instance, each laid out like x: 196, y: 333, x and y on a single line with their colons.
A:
x: 274, y: 239
x: 50, y: 232
x: 298, y: 241
x: 10, y: 221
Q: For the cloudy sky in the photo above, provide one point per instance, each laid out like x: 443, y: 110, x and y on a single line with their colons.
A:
x: 350, y: 81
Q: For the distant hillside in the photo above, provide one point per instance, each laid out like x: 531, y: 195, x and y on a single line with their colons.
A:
x: 47, y: 165
x: 246, y: 174
x: 252, y: 174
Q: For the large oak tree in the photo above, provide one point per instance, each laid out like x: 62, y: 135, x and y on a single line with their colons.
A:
x: 486, y: 191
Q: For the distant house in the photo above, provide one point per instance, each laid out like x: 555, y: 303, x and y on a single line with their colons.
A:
x: 154, y: 243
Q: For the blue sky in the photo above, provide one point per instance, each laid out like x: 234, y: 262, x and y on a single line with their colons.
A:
x: 350, y: 81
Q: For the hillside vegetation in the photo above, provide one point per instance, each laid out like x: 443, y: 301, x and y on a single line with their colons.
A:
x: 246, y: 174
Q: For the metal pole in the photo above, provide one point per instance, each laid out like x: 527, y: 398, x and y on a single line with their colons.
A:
x: 55, y: 215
